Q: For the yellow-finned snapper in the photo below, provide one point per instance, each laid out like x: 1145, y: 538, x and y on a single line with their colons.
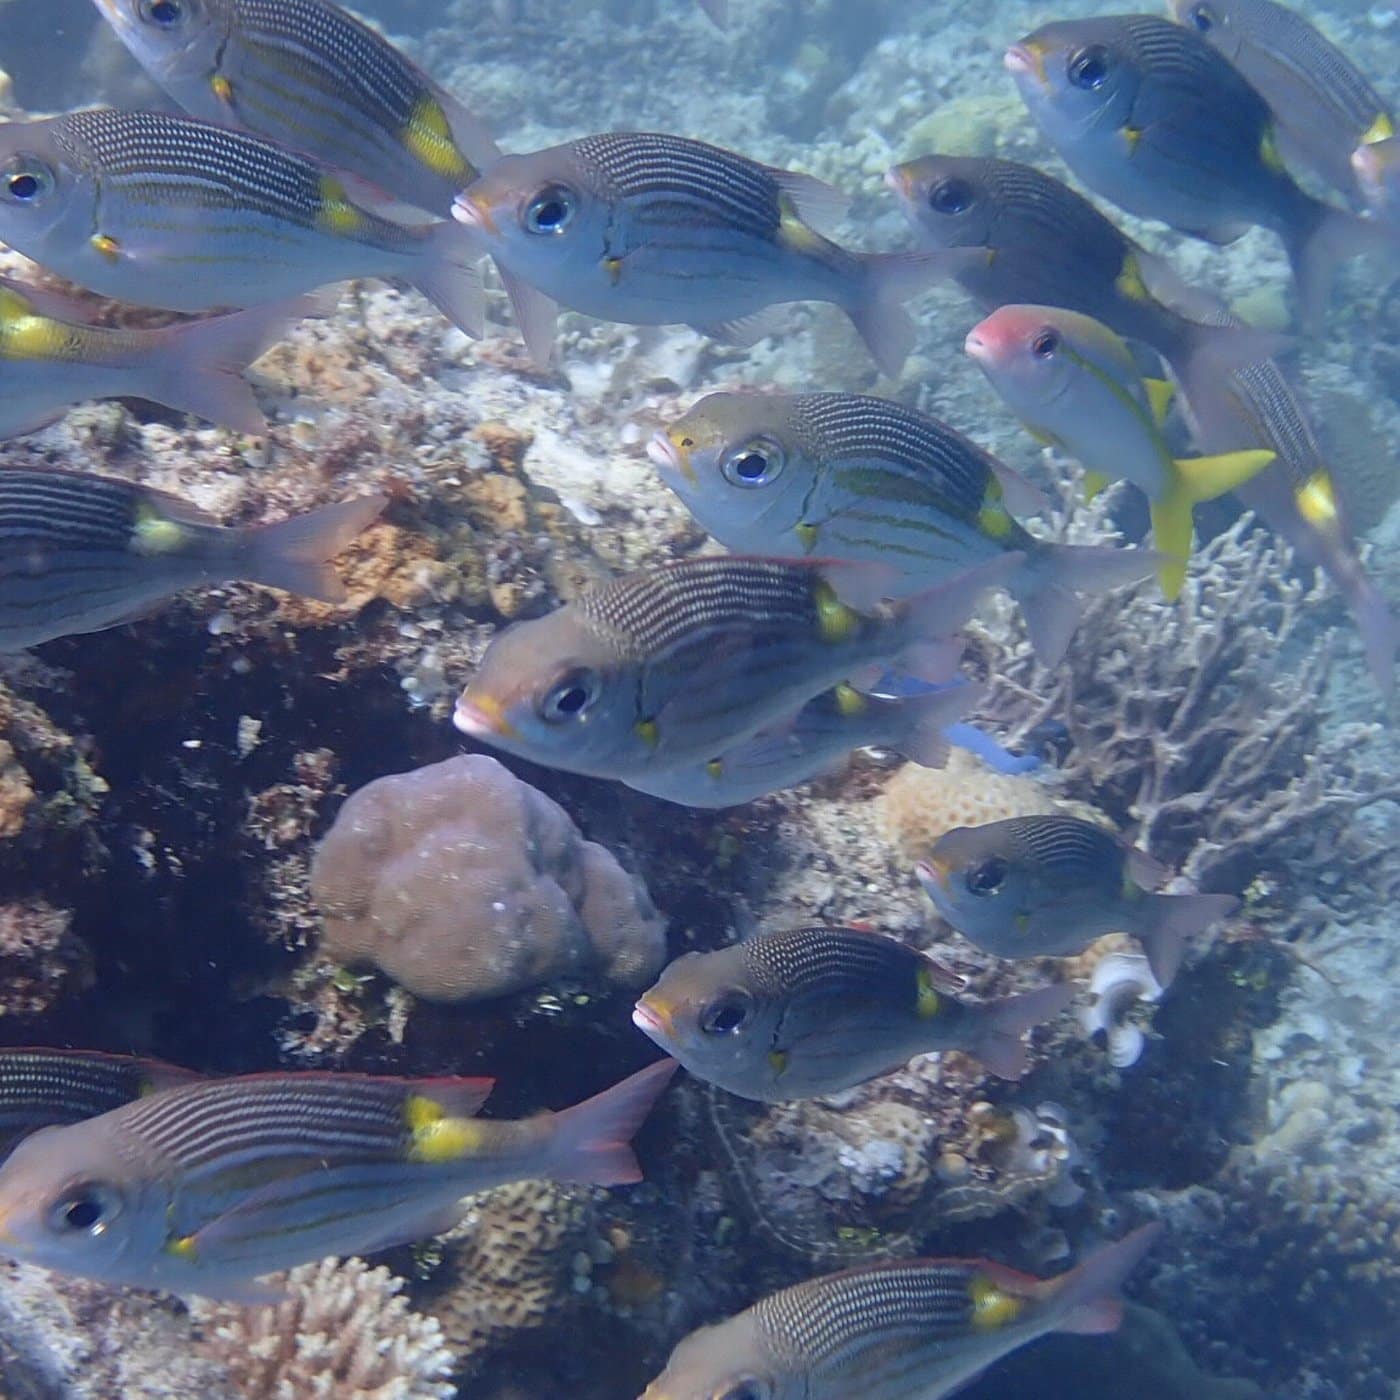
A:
x: 665, y: 668
x: 846, y: 476
x: 651, y: 229
x: 1044, y: 244
x: 1074, y: 383
x: 53, y: 358
x: 202, y: 1189
x: 1323, y: 105
x: 817, y: 740
x: 167, y: 211
x: 914, y: 1329
x: 79, y: 553
x: 42, y: 1088
x: 1047, y: 886
x: 1149, y: 115
x: 812, y: 1011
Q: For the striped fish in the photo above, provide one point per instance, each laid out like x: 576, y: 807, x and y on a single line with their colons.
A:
x: 1047, y: 886
x: 42, y: 1088
x: 812, y: 1011
x: 1323, y: 105
x: 203, y: 1188
x: 1149, y: 115
x: 79, y: 553
x: 665, y: 668
x: 650, y: 229
x: 166, y: 211
x: 845, y: 476
x: 918, y: 1329
x: 54, y: 358
x: 816, y: 740
x: 1044, y: 244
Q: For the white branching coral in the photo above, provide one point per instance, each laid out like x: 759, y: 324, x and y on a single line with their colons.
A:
x: 342, y: 1333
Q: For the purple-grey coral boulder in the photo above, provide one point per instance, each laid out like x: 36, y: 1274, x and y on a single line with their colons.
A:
x: 460, y: 882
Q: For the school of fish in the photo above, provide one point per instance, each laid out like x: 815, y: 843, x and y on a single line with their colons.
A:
x: 859, y: 534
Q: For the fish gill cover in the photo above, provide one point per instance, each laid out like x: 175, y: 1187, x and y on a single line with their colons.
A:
x: 319, y: 602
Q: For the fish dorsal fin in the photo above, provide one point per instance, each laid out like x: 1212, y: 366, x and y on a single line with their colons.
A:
x: 1160, y: 393
x: 451, y: 1097
x: 820, y: 206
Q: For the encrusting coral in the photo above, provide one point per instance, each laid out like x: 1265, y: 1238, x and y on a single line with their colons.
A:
x: 461, y: 882
x: 342, y: 1333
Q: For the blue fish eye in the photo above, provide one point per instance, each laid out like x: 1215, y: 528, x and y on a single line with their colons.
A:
x: 986, y: 878
x: 1088, y: 68
x: 569, y: 697
x: 27, y: 180
x: 951, y: 196
x: 1203, y: 18
x: 1044, y: 346
x: 84, y: 1209
x: 551, y: 210
x: 726, y: 1014
x: 754, y: 464
x: 163, y: 12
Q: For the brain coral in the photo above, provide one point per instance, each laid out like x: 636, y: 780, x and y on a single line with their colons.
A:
x: 461, y: 882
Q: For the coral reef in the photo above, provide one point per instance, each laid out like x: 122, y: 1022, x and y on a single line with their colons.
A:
x: 343, y: 1333
x: 461, y: 882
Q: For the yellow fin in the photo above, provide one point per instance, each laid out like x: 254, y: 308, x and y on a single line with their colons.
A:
x: 1094, y: 484
x: 436, y: 1137
x: 1132, y: 135
x: 928, y: 1003
x: 223, y: 89
x: 613, y: 267
x: 715, y: 768
x: 796, y: 235
x: 1269, y: 153
x: 992, y: 1307
x: 1160, y: 393
x: 1205, y: 478
x: 993, y: 519
x: 337, y: 214
x: 156, y: 534
x: 182, y: 1248
x: 428, y: 137
x: 1129, y: 280
x: 835, y: 621
x: 807, y: 534
x: 1171, y: 534
x: 1317, y: 500
x: 778, y: 1061
x: 648, y: 732
x: 107, y: 246
x: 1382, y: 129
x: 849, y: 701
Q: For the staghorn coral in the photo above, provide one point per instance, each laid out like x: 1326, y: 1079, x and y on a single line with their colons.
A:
x: 1198, y: 727
x: 461, y: 882
x: 343, y: 1333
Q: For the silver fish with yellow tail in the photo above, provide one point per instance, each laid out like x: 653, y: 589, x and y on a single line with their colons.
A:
x: 1323, y: 105
x: 1149, y: 115
x: 816, y: 740
x: 1047, y: 886
x: 651, y: 229
x: 53, y: 357
x: 665, y: 668
x: 42, y: 1088
x: 203, y: 1188
x: 166, y: 211
x: 812, y: 1011
x: 79, y: 553
x: 1075, y: 384
x: 846, y: 476
x: 915, y: 1329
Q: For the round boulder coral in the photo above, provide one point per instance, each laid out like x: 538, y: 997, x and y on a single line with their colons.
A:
x: 461, y: 882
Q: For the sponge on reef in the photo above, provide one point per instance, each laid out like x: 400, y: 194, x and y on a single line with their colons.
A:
x: 462, y: 882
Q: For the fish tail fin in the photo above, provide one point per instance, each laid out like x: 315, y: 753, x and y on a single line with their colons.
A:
x: 294, y: 555
x: 924, y: 742
x: 199, y: 367
x: 535, y: 316
x: 1380, y: 632
x: 1195, y: 479
x: 1086, y: 1298
x: 592, y: 1141
x: 1203, y: 352
x: 1318, y: 241
x: 890, y: 280
x: 999, y: 1045
x: 449, y: 275
x: 1168, y: 920
x: 1046, y: 586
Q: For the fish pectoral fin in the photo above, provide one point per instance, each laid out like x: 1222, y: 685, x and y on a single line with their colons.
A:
x: 747, y: 330
x: 1095, y: 484
x: 436, y: 1219
x: 1021, y: 497
x: 817, y: 204
x: 1160, y: 393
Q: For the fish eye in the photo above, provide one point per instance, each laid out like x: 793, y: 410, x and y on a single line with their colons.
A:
x: 987, y: 878
x: 756, y: 463
x: 950, y: 196
x: 1088, y: 68
x: 85, y: 1209
x: 26, y: 180
x: 164, y: 13
x: 726, y: 1015
x: 551, y: 210
x: 743, y: 1390
x: 569, y: 697
x: 1203, y: 17
x: 1046, y: 343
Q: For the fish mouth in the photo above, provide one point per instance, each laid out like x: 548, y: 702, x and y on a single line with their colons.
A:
x: 1026, y: 59
x: 473, y: 211
x: 668, y: 457
x: 483, y: 718
x: 976, y: 347
x: 899, y: 180
x: 933, y: 875
x: 650, y: 1021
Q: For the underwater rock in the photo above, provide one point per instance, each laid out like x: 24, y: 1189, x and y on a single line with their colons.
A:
x: 461, y: 882
x: 40, y: 958
x: 343, y: 1331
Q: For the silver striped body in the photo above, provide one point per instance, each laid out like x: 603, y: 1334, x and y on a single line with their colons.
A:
x: 310, y: 75
x: 165, y: 211
x: 666, y: 230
